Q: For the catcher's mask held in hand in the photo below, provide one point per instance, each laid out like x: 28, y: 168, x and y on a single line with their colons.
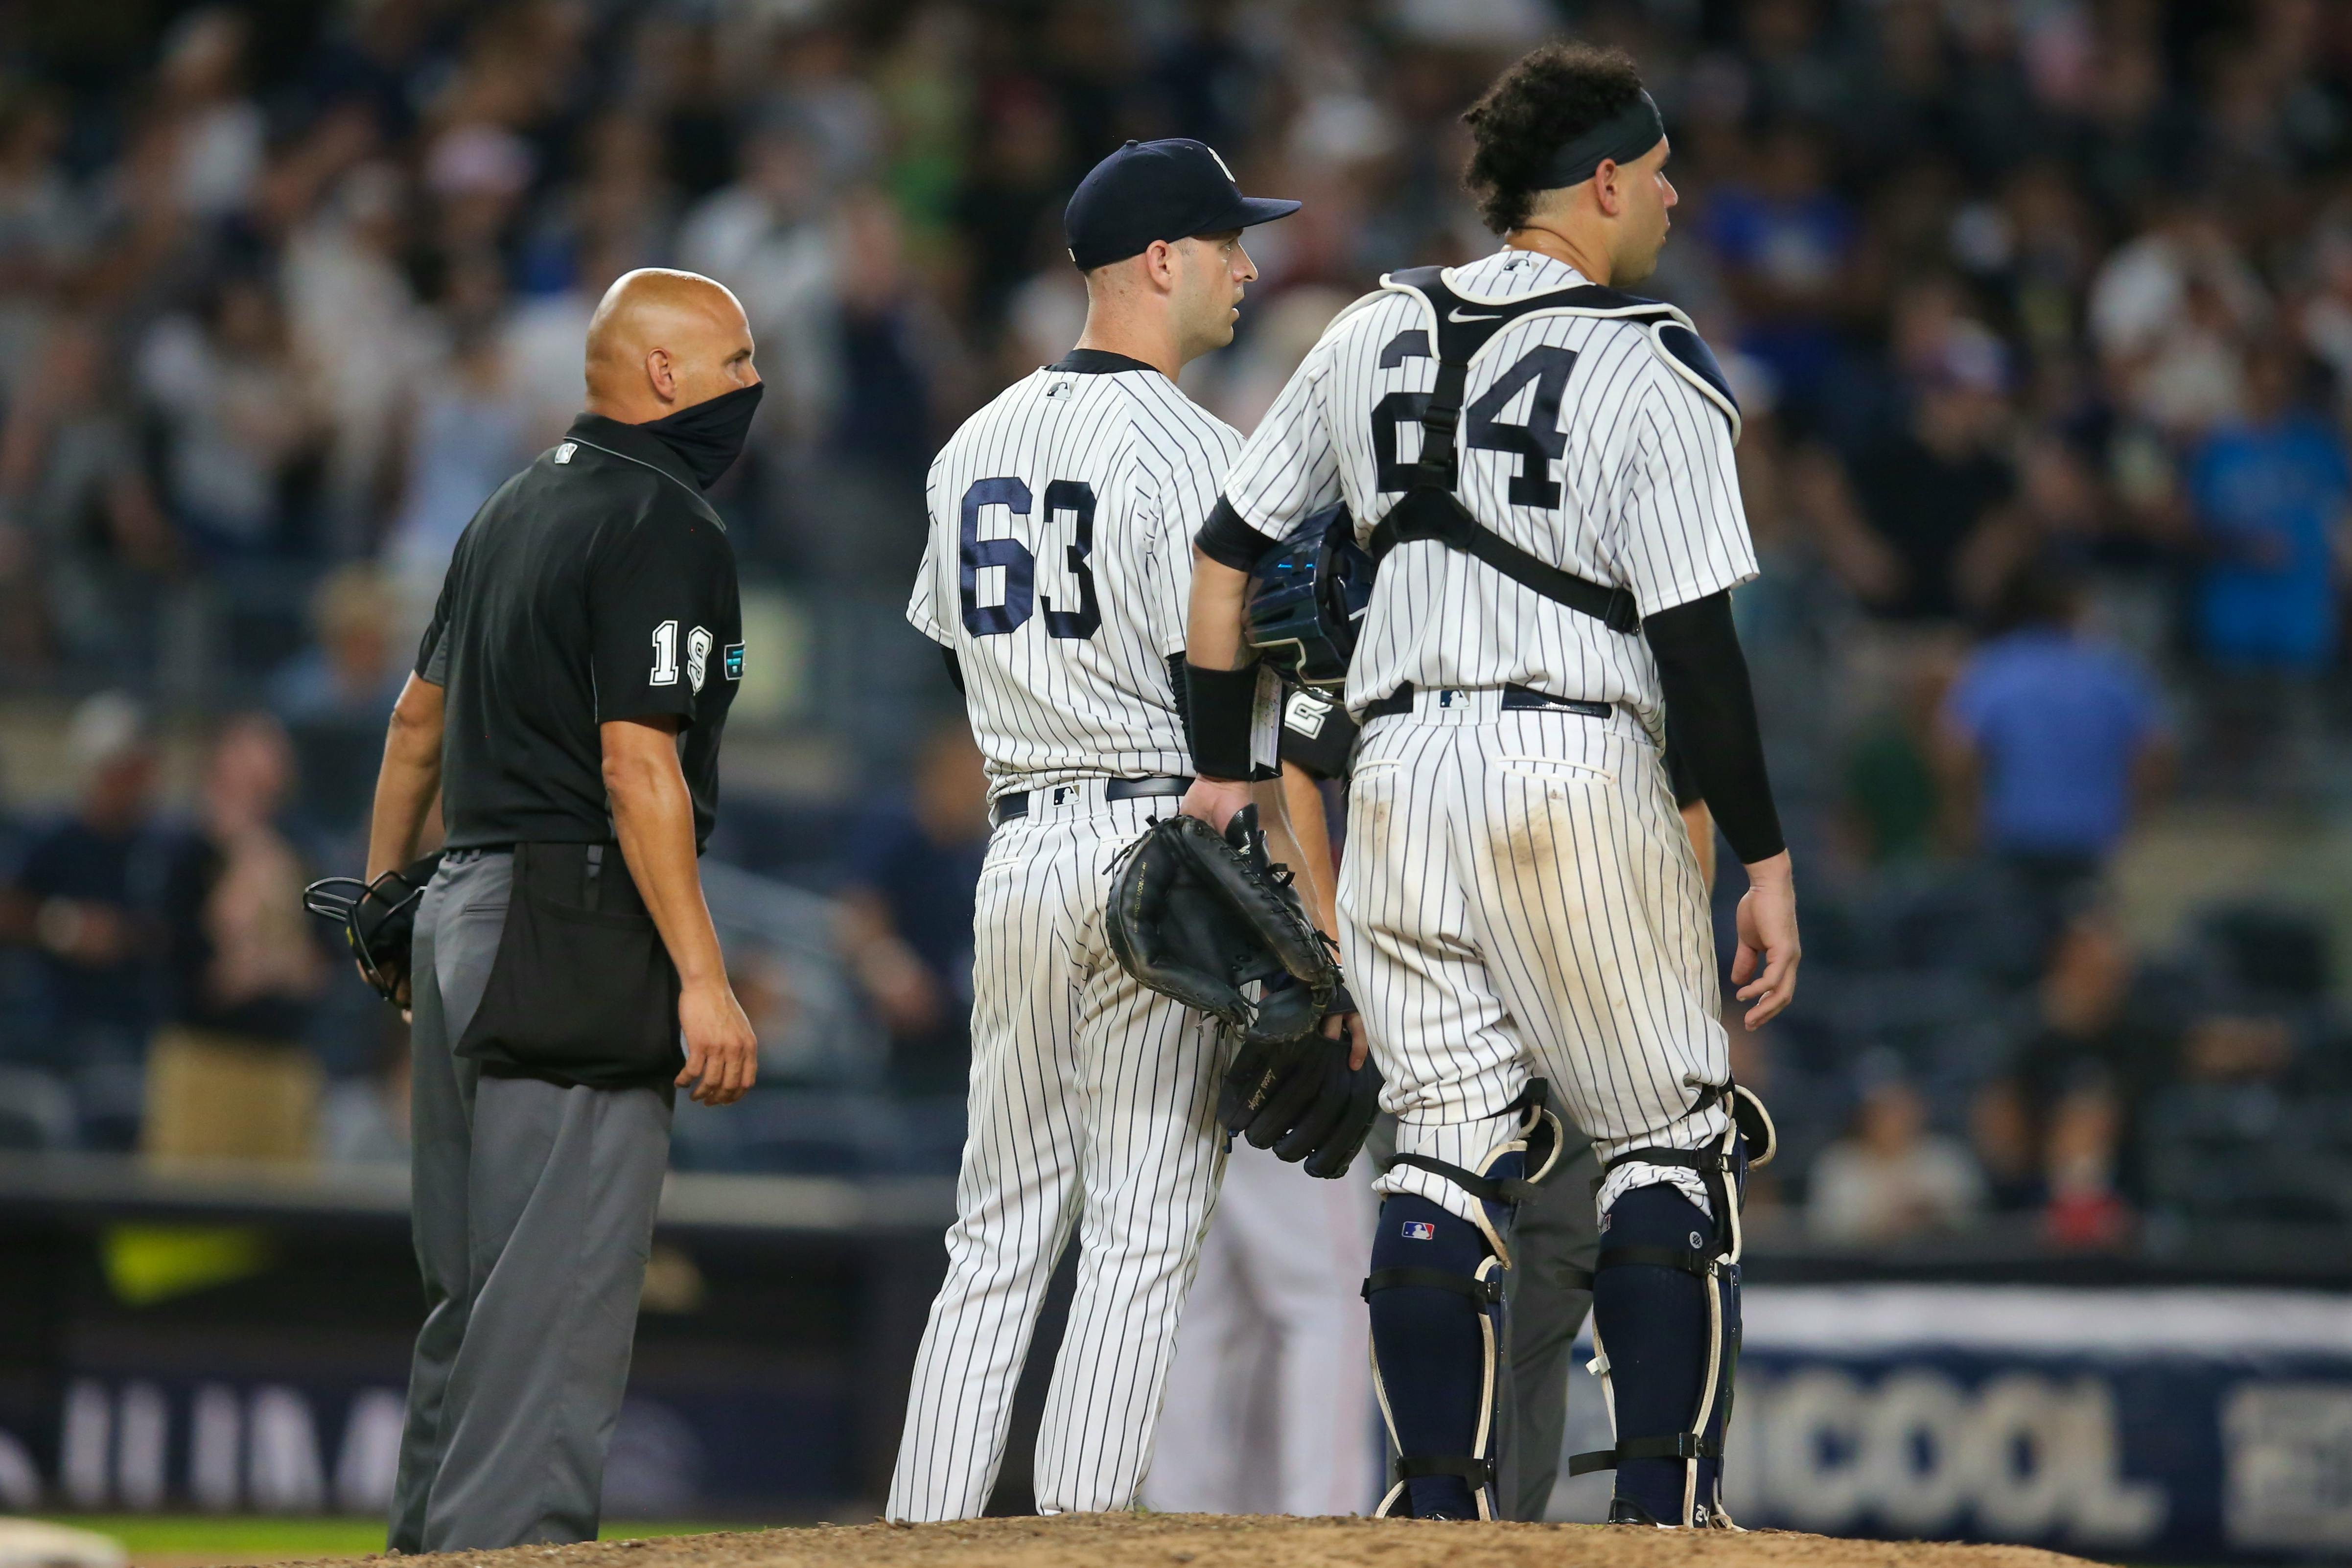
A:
x: 1196, y: 917
x: 1306, y: 600
x: 378, y: 918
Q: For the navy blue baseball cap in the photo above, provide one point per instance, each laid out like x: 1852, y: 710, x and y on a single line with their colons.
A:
x: 1158, y: 191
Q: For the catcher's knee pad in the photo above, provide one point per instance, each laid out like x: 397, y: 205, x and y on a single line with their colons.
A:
x: 1436, y: 1292
x: 1510, y: 1170
x: 1665, y: 1330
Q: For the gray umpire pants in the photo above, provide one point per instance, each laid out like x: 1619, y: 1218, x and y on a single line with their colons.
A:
x: 534, y: 1213
x: 1554, y: 1238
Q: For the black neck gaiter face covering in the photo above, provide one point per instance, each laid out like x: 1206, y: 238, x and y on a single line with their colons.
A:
x: 709, y: 436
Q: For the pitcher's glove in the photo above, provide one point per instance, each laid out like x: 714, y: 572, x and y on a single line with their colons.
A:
x: 378, y: 918
x: 1197, y: 916
x: 1300, y: 1099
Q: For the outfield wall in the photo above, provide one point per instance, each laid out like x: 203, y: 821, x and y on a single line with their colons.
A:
x: 2135, y: 1423
x: 235, y: 1346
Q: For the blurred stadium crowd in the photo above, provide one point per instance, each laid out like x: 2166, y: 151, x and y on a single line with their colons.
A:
x: 2041, y: 311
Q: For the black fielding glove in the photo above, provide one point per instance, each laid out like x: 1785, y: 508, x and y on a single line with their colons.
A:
x: 1300, y: 1099
x: 1196, y: 915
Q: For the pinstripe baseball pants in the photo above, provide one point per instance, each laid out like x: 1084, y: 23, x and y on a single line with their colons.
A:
x: 1093, y: 1104
x: 1519, y: 897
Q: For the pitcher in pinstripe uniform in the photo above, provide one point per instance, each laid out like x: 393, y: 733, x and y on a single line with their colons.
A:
x: 1542, y: 466
x: 1055, y: 582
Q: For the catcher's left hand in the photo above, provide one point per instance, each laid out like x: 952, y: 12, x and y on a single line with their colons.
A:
x: 379, y: 920
x: 1196, y: 917
x: 1302, y: 1100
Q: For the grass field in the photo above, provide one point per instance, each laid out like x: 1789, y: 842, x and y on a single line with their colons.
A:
x: 189, y: 1538
x: 208, y: 1541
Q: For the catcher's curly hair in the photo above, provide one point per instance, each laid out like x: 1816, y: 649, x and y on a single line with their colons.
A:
x: 1546, y: 100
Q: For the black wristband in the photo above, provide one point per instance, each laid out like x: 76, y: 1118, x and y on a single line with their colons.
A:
x: 1315, y: 734
x: 1220, y: 710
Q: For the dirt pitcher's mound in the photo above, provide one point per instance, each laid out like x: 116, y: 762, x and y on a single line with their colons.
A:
x: 1213, y: 1540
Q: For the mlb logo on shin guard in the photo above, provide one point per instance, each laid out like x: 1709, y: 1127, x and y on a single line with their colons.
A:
x: 1419, y: 1230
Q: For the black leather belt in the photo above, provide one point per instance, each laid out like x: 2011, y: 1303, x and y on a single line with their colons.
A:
x: 1004, y: 807
x: 1515, y: 698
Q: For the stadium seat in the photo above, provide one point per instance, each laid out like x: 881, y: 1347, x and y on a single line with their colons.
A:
x: 36, y: 1110
x: 790, y: 1131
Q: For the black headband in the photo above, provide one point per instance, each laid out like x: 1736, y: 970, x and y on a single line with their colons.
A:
x: 1625, y: 136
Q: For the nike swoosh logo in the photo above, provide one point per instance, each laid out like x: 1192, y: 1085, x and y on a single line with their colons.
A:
x: 1456, y: 315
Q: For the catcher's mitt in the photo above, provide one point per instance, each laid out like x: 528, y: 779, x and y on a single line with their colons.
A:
x: 1196, y: 917
x: 1301, y: 1100
x: 378, y: 918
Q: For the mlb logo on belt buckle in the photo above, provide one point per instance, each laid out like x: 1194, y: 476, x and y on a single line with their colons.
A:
x: 1419, y: 1230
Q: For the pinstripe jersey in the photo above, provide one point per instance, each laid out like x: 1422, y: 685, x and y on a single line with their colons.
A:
x: 1058, y: 570
x: 1579, y: 443
x: 1059, y: 566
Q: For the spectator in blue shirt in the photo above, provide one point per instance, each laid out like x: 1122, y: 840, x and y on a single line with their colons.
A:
x: 2052, y: 737
x: 2272, y: 492
x: 907, y: 913
x: 1786, y: 242
x: 83, y: 899
x: 335, y: 697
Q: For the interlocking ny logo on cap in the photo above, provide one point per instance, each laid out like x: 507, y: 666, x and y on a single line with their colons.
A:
x: 1221, y: 161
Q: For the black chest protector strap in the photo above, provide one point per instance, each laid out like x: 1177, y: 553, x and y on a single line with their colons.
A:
x: 1429, y: 508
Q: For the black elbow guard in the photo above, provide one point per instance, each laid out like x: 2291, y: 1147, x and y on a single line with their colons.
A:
x: 1712, y: 707
x: 1226, y: 540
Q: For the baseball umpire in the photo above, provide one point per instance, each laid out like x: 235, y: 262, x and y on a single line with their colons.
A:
x: 1541, y: 466
x: 566, y: 709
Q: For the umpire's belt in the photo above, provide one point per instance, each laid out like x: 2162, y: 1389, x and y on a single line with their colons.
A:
x: 1004, y: 807
x: 1515, y: 698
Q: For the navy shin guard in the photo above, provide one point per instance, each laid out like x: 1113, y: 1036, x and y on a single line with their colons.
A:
x: 1439, y: 1337
x: 1436, y: 1292
x: 1668, y: 1357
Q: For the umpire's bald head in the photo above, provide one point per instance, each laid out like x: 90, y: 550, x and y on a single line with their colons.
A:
x: 662, y: 340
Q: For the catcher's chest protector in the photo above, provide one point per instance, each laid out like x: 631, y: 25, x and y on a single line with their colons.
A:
x: 1462, y: 329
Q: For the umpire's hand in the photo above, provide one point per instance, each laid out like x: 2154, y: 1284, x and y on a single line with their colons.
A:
x: 653, y: 816
x: 721, y: 1051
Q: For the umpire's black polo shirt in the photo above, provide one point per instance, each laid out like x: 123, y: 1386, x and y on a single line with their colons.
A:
x: 596, y: 584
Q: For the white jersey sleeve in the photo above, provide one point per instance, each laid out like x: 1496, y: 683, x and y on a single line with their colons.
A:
x: 1059, y: 565
x: 1288, y: 466
x: 1681, y: 532
x: 923, y: 607
x: 1174, y: 492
